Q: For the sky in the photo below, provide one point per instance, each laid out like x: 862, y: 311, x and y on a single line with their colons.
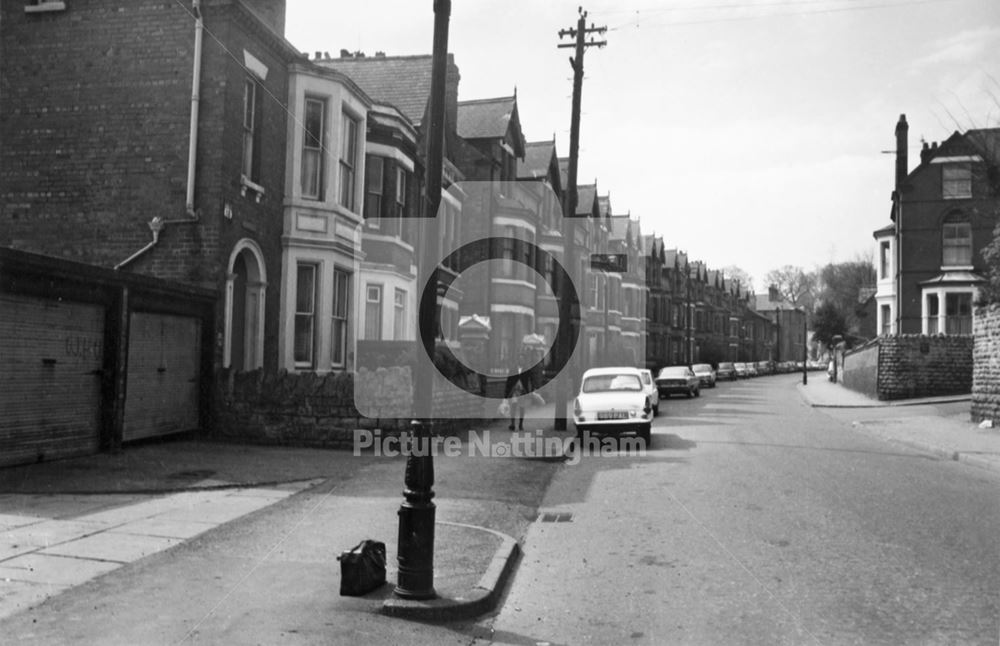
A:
x: 748, y: 133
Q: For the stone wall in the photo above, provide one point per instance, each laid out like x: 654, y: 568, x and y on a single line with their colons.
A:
x: 986, y: 364
x: 914, y: 365
x: 860, y: 369
x: 306, y: 409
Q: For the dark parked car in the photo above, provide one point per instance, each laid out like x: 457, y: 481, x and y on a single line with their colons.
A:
x: 726, y: 370
x: 679, y: 380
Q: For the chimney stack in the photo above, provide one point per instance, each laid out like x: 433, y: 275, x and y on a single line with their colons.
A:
x: 902, y: 129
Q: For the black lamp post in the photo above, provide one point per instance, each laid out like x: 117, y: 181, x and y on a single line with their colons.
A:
x: 805, y: 347
x: 777, y: 336
x: 415, y: 546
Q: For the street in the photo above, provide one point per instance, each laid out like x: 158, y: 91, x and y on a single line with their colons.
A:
x: 755, y: 519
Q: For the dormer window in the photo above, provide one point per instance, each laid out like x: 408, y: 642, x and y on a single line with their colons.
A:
x: 956, y: 181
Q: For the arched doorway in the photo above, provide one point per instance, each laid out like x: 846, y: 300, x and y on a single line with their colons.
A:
x: 245, y: 289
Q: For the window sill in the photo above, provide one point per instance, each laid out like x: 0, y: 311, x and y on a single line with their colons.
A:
x: 247, y: 185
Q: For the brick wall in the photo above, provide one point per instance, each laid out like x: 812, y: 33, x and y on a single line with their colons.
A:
x: 859, y: 371
x: 914, y: 365
x: 306, y: 409
x: 94, y: 119
x: 986, y: 364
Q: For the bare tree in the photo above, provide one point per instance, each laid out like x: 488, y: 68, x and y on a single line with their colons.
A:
x: 739, y: 274
x: 794, y: 285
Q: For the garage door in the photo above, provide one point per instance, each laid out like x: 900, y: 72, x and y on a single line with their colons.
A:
x: 161, y: 395
x: 51, y: 355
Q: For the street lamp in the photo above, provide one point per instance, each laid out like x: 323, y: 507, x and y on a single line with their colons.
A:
x: 415, y: 542
x: 805, y: 347
x: 777, y: 336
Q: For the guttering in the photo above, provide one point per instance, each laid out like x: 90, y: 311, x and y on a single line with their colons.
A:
x: 157, y: 223
x: 199, y: 29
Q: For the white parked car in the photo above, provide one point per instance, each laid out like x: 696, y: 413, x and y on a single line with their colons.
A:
x: 705, y: 374
x: 613, y: 400
x: 649, y: 385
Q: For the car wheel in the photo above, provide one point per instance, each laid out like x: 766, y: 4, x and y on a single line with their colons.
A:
x: 697, y: 392
x: 656, y: 410
x: 690, y: 393
x: 645, y: 432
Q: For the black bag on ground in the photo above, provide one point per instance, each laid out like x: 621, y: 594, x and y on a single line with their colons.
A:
x: 362, y: 568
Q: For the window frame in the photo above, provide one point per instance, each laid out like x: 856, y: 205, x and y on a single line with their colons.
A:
x: 350, y: 128
x: 305, y: 315
x: 959, y: 185
x: 313, y: 150
x: 340, y: 312
x: 251, y: 127
x: 373, y: 328
x: 956, y: 249
x: 958, y: 313
x: 399, y: 314
x: 373, y: 195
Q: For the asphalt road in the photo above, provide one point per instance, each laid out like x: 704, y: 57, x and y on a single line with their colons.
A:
x: 755, y: 519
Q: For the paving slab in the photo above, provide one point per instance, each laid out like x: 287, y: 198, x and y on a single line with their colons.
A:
x: 113, y: 546
x: 9, y: 521
x: 50, y: 532
x: 159, y: 526
x: 53, y: 569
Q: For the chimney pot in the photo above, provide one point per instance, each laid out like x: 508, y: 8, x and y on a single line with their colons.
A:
x: 345, y: 54
x: 319, y: 55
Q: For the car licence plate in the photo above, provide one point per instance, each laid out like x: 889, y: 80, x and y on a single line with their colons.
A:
x: 612, y: 414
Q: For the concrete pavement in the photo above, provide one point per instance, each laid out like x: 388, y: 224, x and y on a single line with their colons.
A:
x: 66, y: 523
x: 939, y: 425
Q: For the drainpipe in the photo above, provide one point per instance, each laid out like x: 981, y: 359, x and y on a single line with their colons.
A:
x: 157, y: 223
x: 199, y: 28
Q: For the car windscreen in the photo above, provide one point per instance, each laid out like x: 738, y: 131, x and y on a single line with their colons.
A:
x: 701, y: 366
x: 672, y: 373
x: 604, y: 383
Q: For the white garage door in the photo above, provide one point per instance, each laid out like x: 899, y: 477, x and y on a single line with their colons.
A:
x: 161, y: 395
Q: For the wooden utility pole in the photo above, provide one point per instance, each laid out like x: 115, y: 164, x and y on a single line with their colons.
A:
x: 570, y: 369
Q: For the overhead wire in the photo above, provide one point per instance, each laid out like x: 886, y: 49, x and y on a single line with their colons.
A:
x: 637, y: 22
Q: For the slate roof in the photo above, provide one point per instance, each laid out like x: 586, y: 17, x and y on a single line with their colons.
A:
x: 403, y: 82
x: 486, y: 118
x: 537, y: 156
x: 604, y: 205
x: 763, y: 303
x: 585, y: 195
x: 649, y: 244
x: 619, y: 227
